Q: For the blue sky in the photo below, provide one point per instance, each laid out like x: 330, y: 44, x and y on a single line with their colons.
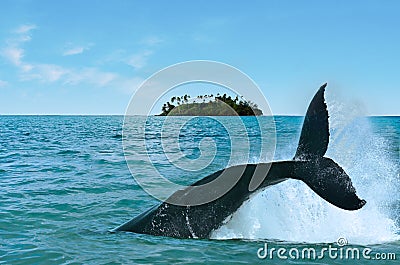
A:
x: 88, y: 57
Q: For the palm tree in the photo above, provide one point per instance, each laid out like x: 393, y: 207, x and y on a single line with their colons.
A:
x: 170, y: 106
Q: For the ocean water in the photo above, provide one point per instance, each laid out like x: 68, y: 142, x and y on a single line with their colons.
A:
x: 65, y: 183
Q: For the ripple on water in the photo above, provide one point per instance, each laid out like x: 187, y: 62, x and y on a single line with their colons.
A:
x: 67, y: 184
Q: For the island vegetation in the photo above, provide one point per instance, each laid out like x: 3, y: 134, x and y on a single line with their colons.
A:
x: 210, y: 105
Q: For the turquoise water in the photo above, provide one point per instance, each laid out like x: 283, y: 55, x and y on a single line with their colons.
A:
x: 64, y: 183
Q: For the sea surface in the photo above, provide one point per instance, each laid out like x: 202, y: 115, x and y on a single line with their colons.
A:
x: 65, y: 184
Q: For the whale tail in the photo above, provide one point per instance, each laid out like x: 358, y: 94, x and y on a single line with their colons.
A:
x: 314, y: 137
x: 322, y: 174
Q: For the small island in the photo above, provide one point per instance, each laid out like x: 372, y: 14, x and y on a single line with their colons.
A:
x: 210, y: 105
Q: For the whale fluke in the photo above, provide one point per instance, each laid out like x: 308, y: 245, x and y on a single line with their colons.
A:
x: 321, y: 174
x: 330, y: 182
x: 314, y: 136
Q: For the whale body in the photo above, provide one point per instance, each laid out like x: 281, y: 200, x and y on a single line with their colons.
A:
x: 321, y: 174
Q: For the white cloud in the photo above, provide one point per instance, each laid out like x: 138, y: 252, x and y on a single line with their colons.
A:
x: 151, y: 41
x: 3, y: 83
x: 23, y: 29
x: 98, y: 78
x: 26, y: 67
x: 22, y: 38
x: 104, y: 78
x: 73, y: 51
x: 13, y: 51
x: 77, y: 49
x: 91, y: 76
x: 22, y: 34
x: 50, y: 72
x: 44, y: 72
x: 139, y: 60
x: 13, y: 54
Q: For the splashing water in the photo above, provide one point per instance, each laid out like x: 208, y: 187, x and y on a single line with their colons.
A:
x: 291, y: 211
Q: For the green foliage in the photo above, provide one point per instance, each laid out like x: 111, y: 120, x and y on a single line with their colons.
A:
x: 210, y: 106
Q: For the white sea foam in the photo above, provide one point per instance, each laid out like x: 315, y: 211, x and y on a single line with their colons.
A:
x: 291, y: 211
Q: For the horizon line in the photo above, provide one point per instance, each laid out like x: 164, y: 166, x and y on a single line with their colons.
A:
x: 91, y: 114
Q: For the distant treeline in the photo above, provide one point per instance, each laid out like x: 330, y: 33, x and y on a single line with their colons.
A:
x: 210, y: 105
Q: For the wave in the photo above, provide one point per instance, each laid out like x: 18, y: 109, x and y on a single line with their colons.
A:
x: 291, y: 211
